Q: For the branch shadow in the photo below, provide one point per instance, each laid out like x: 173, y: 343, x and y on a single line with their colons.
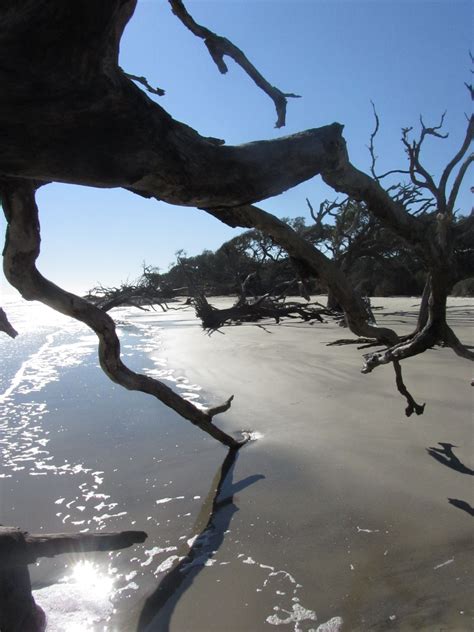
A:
x: 211, y: 524
x: 446, y: 456
x: 462, y: 504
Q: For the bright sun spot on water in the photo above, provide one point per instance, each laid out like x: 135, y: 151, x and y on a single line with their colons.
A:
x: 89, y: 584
x: 87, y: 577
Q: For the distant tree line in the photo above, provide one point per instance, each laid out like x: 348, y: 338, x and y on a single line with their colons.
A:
x: 377, y: 262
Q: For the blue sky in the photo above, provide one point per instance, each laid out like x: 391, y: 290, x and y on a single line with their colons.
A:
x: 409, y: 57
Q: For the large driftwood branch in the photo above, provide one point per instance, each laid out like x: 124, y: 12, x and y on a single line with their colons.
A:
x: 68, y: 113
x: 20, y: 254
x: 219, y: 47
x: 18, y: 547
x: 359, y: 186
x: 265, y: 307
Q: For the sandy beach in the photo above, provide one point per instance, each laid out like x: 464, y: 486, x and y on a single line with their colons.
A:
x: 352, y: 504
x: 342, y: 515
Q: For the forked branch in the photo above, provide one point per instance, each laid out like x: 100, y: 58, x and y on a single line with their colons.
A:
x: 219, y: 47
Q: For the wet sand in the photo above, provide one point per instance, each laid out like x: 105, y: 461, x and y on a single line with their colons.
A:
x: 352, y: 502
x: 337, y: 518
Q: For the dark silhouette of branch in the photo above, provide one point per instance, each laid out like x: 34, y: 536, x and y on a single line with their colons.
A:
x: 20, y: 254
x: 219, y: 47
x: 144, y: 82
x: 371, y: 147
x: 6, y: 326
x: 412, y: 406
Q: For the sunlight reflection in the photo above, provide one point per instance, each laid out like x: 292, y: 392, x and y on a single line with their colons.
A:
x: 87, y: 577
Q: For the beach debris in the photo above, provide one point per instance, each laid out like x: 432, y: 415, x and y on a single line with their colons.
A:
x: 443, y: 564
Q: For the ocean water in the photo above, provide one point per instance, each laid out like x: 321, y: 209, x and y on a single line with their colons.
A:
x: 80, y: 454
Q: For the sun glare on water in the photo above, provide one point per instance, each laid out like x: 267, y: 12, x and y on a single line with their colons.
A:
x: 89, y: 589
x: 87, y: 578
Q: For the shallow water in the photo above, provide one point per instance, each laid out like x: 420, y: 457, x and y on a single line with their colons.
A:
x: 81, y: 454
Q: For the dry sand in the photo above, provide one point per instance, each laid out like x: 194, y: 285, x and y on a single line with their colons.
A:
x: 352, y: 506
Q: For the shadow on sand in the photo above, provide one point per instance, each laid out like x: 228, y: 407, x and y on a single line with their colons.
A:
x: 212, y: 522
x: 446, y: 456
x: 462, y: 504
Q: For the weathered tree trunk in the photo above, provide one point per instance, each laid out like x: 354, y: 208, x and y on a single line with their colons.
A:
x: 332, y: 302
x: 68, y: 113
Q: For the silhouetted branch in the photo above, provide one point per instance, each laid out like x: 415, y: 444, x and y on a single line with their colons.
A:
x: 20, y: 254
x: 143, y: 81
x: 219, y: 46
x: 412, y: 406
x: 6, y: 326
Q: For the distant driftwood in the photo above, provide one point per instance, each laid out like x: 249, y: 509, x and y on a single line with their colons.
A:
x: 18, y: 610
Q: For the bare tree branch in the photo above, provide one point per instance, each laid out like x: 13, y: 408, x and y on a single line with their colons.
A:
x: 456, y: 159
x: 20, y: 254
x: 219, y: 46
x: 143, y: 81
x: 6, y: 326
x: 458, y: 181
x: 412, y: 406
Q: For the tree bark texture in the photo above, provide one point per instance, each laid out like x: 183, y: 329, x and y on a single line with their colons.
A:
x: 68, y: 113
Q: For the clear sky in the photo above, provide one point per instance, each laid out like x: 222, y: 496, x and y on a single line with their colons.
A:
x: 410, y: 57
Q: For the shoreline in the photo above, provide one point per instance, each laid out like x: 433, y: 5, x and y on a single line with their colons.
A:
x: 349, y: 482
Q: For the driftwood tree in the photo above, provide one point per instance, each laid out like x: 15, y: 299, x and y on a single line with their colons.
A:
x: 69, y: 113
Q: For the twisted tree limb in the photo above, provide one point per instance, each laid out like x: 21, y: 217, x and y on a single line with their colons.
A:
x: 68, y: 113
x: 412, y: 406
x: 219, y: 47
x: 21, y: 251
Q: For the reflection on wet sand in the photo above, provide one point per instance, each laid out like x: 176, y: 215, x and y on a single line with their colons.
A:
x: 211, y: 524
